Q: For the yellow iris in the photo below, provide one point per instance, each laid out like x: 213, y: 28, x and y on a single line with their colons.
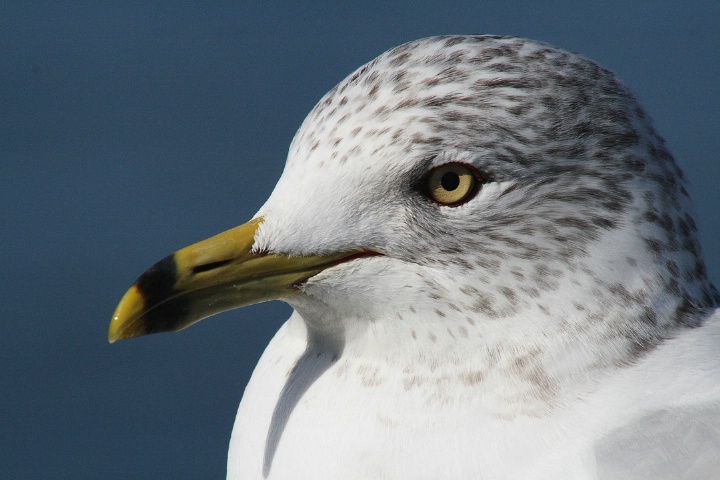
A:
x: 451, y: 184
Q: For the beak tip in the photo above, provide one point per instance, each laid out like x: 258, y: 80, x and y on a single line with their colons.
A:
x: 114, y: 333
x: 112, y: 338
x: 126, y: 318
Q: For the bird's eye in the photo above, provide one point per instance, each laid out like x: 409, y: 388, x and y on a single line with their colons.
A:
x: 453, y: 184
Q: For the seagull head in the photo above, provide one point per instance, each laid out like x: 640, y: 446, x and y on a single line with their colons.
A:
x: 488, y: 196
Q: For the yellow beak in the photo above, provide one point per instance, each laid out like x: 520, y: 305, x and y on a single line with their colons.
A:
x: 209, y: 277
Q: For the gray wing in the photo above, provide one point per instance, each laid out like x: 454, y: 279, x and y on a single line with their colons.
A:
x: 674, y: 444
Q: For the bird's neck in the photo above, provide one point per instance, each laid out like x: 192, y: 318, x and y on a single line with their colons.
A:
x: 510, y: 367
x: 529, y: 335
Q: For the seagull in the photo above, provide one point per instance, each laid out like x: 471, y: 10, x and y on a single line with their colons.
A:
x: 494, y: 271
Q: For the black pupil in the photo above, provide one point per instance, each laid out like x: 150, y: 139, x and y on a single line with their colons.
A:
x: 450, y: 181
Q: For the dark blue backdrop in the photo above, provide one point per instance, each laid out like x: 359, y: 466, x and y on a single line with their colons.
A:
x: 128, y: 130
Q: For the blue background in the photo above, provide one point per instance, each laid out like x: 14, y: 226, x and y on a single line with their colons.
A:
x: 128, y: 130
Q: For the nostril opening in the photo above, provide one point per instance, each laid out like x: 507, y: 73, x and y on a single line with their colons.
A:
x: 210, y: 266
